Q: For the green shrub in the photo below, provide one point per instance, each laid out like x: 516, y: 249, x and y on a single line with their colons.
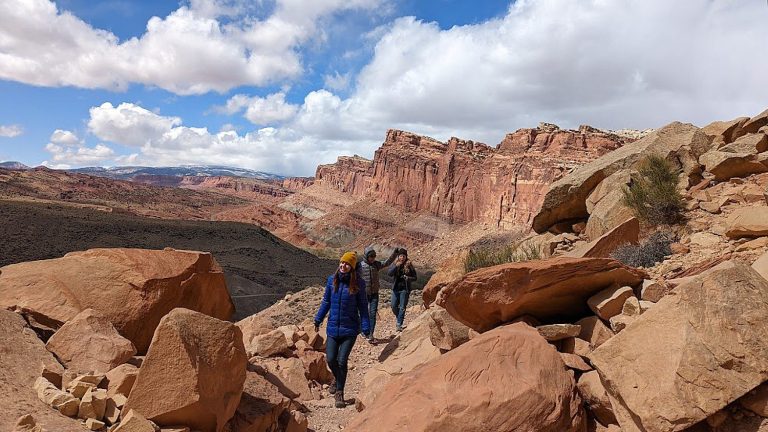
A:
x: 653, y: 250
x: 653, y: 196
x: 525, y: 251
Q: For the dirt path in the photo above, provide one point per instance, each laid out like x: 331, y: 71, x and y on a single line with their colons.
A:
x: 323, y: 416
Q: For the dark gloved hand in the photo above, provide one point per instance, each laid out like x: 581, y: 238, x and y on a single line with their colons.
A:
x: 317, y: 327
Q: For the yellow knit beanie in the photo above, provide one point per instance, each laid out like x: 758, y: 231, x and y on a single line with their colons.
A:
x: 349, y: 258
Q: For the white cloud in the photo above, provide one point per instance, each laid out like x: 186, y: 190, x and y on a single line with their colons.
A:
x: 209, y: 45
x: 261, y: 111
x: 11, y: 131
x: 128, y: 124
x: 630, y: 63
x: 337, y: 81
x: 65, y: 137
x: 67, y: 156
x: 165, y: 141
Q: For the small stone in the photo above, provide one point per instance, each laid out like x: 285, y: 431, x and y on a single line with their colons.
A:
x: 758, y: 243
x: 575, y: 362
x: 653, y: 291
x: 608, y: 302
x: 556, y: 332
x: 631, y: 307
x: 93, y: 405
x: 620, y: 322
x: 111, y: 412
x: 52, y: 374
x: 679, y: 248
x: 94, y: 424
x: 576, y: 346
x: 645, y: 305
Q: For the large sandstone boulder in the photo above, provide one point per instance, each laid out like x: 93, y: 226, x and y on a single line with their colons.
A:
x: 627, y: 232
x: 552, y: 290
x: 260, y: 406
x: 90, y: 343
x: 725, y: 165
x: 693, y: 353
x: 609, y: 213
x: 411, y: 348
x: 193, y: 374
x: 747, y: 222
x: 756, y: 123
x: 749, y: 144
x: 508, y: 379
x: 132, y: 288
x: 22, y: 357
x: 681, y: 144
x: 725, y: 132
x: 449, y: 271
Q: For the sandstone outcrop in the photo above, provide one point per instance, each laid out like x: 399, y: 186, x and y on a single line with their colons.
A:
x: 22, y: 356
x: 507, y: 379
x: 464, y: 181
x: 89, y: 343
x: 552, y: 290
x: 728, y: 165
x: 120, y: 380
x: 679, y: 143
x: 132, y: 288
x: 205, y: 358
x: 761, y: 265
x: 748, y: 222
x: 692, y: 354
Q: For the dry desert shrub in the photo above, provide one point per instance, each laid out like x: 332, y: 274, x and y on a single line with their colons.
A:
x: 525, y: 251
x: 653, y: 195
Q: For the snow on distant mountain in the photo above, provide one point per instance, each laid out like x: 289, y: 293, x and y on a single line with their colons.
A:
x: 13, y: 165
x: 128, y: 172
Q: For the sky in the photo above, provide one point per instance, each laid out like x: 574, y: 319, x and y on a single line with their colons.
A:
x: 283, y: 85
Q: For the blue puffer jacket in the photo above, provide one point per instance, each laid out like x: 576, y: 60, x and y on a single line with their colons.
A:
x: 346, y: 310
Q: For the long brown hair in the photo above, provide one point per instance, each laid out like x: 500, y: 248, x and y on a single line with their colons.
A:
x: 353, y: 289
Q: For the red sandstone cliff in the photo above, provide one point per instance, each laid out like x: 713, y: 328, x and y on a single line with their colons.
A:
x: 464, y: 181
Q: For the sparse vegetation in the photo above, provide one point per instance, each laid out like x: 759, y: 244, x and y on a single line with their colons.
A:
x: 653, y: 195
x: 525, y: 251
x: 653, y: 250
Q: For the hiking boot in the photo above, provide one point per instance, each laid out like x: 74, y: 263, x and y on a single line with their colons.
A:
x: 340, y: 399
x: 332, y: 387
x: 399, y: 329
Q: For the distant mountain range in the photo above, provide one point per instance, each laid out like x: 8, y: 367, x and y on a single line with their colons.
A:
x: 13, y: 165
x: 129, y: 172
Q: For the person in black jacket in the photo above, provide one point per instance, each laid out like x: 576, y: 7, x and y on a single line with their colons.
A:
x: 403, y: 274
x: 369, y: 272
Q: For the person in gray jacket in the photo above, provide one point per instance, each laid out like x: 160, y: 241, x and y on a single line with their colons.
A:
x: 369, y: 271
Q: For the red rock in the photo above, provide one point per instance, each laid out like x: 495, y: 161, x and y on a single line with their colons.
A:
x: 207, y: 360
x: 725, y: 132
x: 260, y: 407
x: 552, y: 289
x: 556, y: 332
x: 465, y: 181
x: 316, y: 367
x: 593, y: 393
x: 755, y: 123
x: 713, y: 327
x: 566, y: 198
x: 135, y: 422
x: 89, y: 342
x: 748, y: 222
x: 507, y: 379
x: 21, y: 357
x: 287, y: 374
x: 575, y: 362
x: 120, y: 380
x: 609, y: 302
x: 627, y: 232
x: 594, y: 331
x: 270, y: 344
x: 761, y: 265
x: 132, y: 288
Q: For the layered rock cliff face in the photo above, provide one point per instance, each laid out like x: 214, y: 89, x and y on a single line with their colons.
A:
x: 464, y: 181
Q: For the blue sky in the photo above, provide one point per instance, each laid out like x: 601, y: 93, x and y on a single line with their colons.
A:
x: 282, y: 85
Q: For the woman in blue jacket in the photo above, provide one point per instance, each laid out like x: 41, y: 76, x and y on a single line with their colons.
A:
x: 347, y: 303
